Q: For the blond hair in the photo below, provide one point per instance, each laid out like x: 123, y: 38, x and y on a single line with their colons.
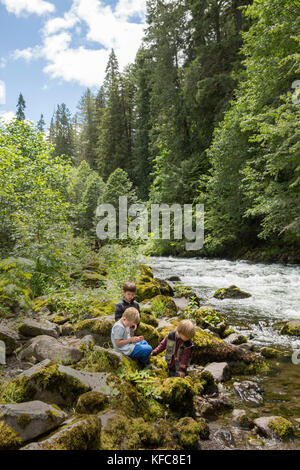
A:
x: 186, y: 328
x: 132, y: 315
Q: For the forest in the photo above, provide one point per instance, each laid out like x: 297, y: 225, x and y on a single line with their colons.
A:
x: 208, y: 113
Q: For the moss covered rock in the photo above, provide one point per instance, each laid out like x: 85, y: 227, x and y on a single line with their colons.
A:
x: 147, y: 290
x: 209, y: 348
x: 270, y: 353
x: 146, y: 271
x: 91, y: 403
x: 191, y: 431
x: 178, y: 393
x: 76, y: 434
x: 122, y: 433
x: 163, y: 306
x: 291, y: 327
x: 149, y: 319
x: 59, y: 384
x: 31, y: 419
x: 99, y: 328
x: 275, y: 426
x: 231, y: 292
x: 150, y: 334
x: 207, y: 317
x: 9, y: 438
x: 93, y: 279
x: 165, y: 287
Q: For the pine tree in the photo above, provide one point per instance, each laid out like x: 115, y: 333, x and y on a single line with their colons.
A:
x: 41, y: 124
x: 61, y: 131
x: 21, y: 105
x: 88, y: 128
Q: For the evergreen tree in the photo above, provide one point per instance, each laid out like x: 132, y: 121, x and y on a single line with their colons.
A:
x: 41, y: 124
x: 114, y: 142
x: 61, y: 131
x: 88, y: 128
x: 21, y: 105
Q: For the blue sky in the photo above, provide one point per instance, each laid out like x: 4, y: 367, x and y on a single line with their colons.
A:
x: 51, y: 51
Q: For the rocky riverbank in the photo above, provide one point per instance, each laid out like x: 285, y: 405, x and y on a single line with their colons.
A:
x: 63, y: 386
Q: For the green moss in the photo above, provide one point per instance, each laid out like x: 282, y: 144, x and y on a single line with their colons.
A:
x: 291, y: 328
x: 9, y: 438
x: 183, y: 291
x: 146, y: 271
x: 93, y: 279
x: 150, y: 334
x: 123, y: 433
x: 149, y: 319
x: 147, y: 291
x: 163, y: 305
x: 23, y: 421
x: 204, y: 383
x: 98, y: 361
x: 231, y: 292
x: 16, y: 391
x: 269, y: 353
x: 99, y: 327
x: 190, y: 431
x: 91, y: 403
x: 282, y: 428
x: 228, y: 332
x: 255, y: 367
x: 178, y: 393
x: 84, y: 436
x: 52, y: 414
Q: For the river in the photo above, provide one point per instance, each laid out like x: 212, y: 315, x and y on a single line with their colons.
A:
x: 275, y: 295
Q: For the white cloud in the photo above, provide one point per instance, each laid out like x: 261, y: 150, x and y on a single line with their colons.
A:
x: 2, y: 92
x: 40, y: 7
x: 110, y: 28
x: 2, y: 63
x: 7, y: 116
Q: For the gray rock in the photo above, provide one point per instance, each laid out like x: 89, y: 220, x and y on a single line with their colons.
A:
x: 249, y: 392
x: 36, y: 328
x: 263, y: 425
x: 67, y: 330
x: 47, y: 347
x: 83, y: 434
x: 174, y: 279
x: 219, y: 370
x: 10, y: 338
x: 240, y: 419
x: 85, y: 382
x: 31, y: 419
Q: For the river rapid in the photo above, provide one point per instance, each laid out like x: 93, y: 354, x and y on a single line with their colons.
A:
x: 275, y: 295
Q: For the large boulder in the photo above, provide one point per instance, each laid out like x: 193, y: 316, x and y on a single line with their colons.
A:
x: 165, y: 287
x: 219, y: 370
x: 147, y: 290
x: 208, y: 348
x: 10, y: 338
x: 36, y: 328
x: 150, y: 334
x: 191, y: 431
x: 236, y: 338
x: 82, y: 434
x: 231, y: 292
x: 47, y: 347
x: 27, y: 421
x: 59, y: 384
x: 100, y: 328
x: 291, y: 327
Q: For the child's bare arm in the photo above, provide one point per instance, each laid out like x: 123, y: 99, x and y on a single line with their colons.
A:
x: 122, y: 342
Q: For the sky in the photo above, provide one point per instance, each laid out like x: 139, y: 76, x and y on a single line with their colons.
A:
x: 51, y: 51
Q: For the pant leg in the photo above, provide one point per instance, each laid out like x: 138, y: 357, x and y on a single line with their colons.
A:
x: 173, y: 373
x: 141, y: 352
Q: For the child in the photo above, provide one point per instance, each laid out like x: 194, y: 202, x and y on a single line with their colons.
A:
x: 129, y: 289
x: 178, y: 346
x: 123, y: 342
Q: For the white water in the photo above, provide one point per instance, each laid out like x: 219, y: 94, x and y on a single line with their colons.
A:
x: 274, y: 289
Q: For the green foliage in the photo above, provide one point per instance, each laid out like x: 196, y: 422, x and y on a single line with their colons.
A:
x: 143, y: 380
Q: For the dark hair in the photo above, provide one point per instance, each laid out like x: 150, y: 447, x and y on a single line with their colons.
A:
x: 129, y: 286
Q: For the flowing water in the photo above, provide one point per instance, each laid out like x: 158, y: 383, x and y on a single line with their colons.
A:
x: 275, y: 296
